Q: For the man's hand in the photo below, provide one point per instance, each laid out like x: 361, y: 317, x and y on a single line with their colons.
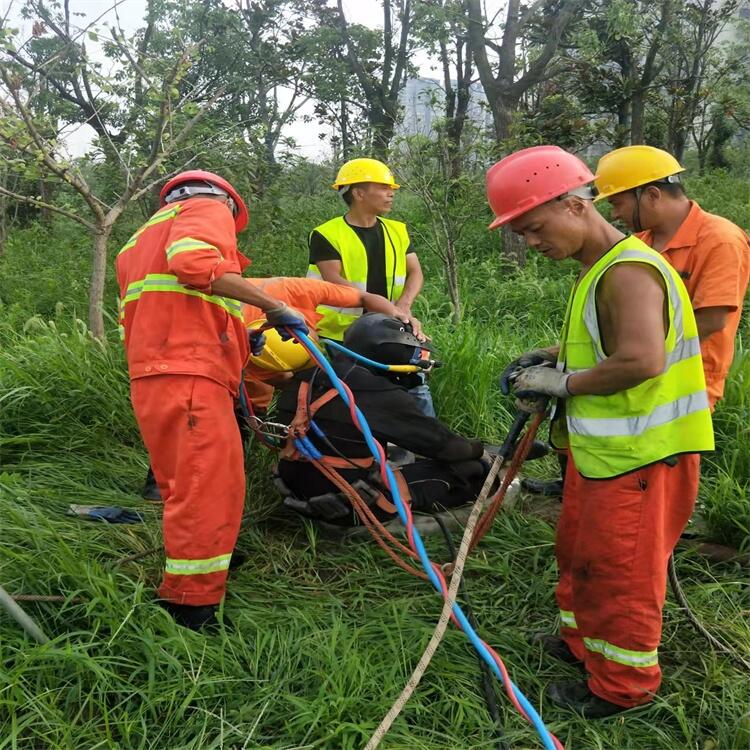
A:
x: 285, y: 317
x: 533, y: 385
x: 414, y: 323
x: 257, y: 340
x: 532, y: 358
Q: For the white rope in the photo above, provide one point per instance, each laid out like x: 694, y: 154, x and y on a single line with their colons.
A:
x: 442, y: 623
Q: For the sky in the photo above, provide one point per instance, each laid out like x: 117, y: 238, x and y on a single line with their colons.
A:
x: 131, y: 12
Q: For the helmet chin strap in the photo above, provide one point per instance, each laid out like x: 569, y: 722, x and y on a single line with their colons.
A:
x: 637, y: 226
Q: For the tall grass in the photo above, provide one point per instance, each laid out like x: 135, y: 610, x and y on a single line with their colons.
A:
x: 323, y: 636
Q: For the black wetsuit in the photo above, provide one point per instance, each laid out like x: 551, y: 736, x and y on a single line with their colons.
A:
x: 448, y: 472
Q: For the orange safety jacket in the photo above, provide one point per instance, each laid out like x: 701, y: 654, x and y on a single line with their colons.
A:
x: 170, y: 321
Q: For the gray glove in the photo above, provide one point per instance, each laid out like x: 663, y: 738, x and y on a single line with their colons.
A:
x: 285, y: 317
x: 534, y: 385
x: 528, y: 359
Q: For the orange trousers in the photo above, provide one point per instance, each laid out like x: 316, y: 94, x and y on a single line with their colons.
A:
x: 614, y: 539
x: 191, y: 434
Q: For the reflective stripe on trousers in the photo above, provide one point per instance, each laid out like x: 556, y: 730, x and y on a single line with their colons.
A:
x: 622, y: 655
x: 196, y: 567
x: 568, y: 619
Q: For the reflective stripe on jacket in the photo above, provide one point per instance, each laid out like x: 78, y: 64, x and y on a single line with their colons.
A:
x: 170, y: 320
x: 663, y: 416
x: 335, y: 320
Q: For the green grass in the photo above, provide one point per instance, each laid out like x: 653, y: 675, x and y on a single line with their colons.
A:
x: 324, y: 636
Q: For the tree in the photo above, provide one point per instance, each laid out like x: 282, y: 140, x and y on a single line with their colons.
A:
x: 691, y: 40
x: 139, y: 115
x: 450, y: 201
x: 505, y: 81
x: 339, y: 100
x: 381, y: 76
x: 443, y: 28
x: 615, y: 57
x: 724, y: 102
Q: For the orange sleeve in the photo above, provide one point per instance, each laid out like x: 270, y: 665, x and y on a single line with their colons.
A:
x: 202, y: 245
x: 306, y: 294
x: 722, y: 275
x: 338, y: 295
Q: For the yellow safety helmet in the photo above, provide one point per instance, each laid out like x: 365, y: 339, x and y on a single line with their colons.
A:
x: 278, y: 355
x: 364, y: 170
x: 632, y: 166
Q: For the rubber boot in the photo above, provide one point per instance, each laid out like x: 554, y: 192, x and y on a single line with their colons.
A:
x: 576, y: 696
x: 555, y: 646
x: 543, y: 487
x: 547, y: 487
x: 150, y: 489
x: 194, y: 618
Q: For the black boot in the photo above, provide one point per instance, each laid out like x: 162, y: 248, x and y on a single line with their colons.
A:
x: 555, y: 646
x: 544, y: 487
x: 150, y: 489
x: 196, y: 618
x: 576, y: 696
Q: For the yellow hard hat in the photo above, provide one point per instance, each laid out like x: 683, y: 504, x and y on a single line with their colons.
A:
x: 632, y: 166
x: 278, y: 355
x: 364, y: 170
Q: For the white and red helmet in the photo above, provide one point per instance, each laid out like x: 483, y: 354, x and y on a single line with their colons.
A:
x: 175, y: 189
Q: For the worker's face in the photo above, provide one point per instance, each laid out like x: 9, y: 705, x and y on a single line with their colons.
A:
x: 375, y: 197
x: 555, y: 229
x: 623, y: 208
x: 637, y: 210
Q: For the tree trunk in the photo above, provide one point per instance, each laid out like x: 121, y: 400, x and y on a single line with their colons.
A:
x: 454, y: 290
x: 346, y: 144
x: 637, y: 124
x: 680, y: 141
x: 702, y: 150
x: 98, y: 276
x: 622, y: 135
x: 3, y: 212
x: 45, y: 214
x: 514, y: 248
x: 383, y: 126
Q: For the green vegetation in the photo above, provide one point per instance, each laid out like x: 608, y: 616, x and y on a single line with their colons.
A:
x: 324, y: 637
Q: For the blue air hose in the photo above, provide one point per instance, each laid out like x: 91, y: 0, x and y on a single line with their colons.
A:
x: 304, y: 443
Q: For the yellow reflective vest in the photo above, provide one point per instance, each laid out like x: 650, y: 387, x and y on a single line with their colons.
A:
x: 663, y: 416
x: 353, y: 254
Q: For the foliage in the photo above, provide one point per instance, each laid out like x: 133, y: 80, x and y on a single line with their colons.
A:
x: 325, y: 636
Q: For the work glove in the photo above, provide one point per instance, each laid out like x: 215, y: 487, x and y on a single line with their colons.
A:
x: 529, y: 359
x: 534, y: 385
x: 285, y: 317
x: 257, y: 340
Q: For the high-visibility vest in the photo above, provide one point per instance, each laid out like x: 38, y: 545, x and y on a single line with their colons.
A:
x: 353, y: 254
x: 663, y: 416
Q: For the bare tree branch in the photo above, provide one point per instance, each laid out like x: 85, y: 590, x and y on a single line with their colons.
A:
x: 48, y: 206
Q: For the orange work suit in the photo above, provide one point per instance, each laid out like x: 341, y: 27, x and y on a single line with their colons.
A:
x: 304, y: 295
x: 712, y: 255
x: 614, y: 539
x: 185, y: 349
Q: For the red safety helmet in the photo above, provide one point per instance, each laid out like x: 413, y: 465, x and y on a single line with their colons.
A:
x: 241, y: 215
x: 530, y: 177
